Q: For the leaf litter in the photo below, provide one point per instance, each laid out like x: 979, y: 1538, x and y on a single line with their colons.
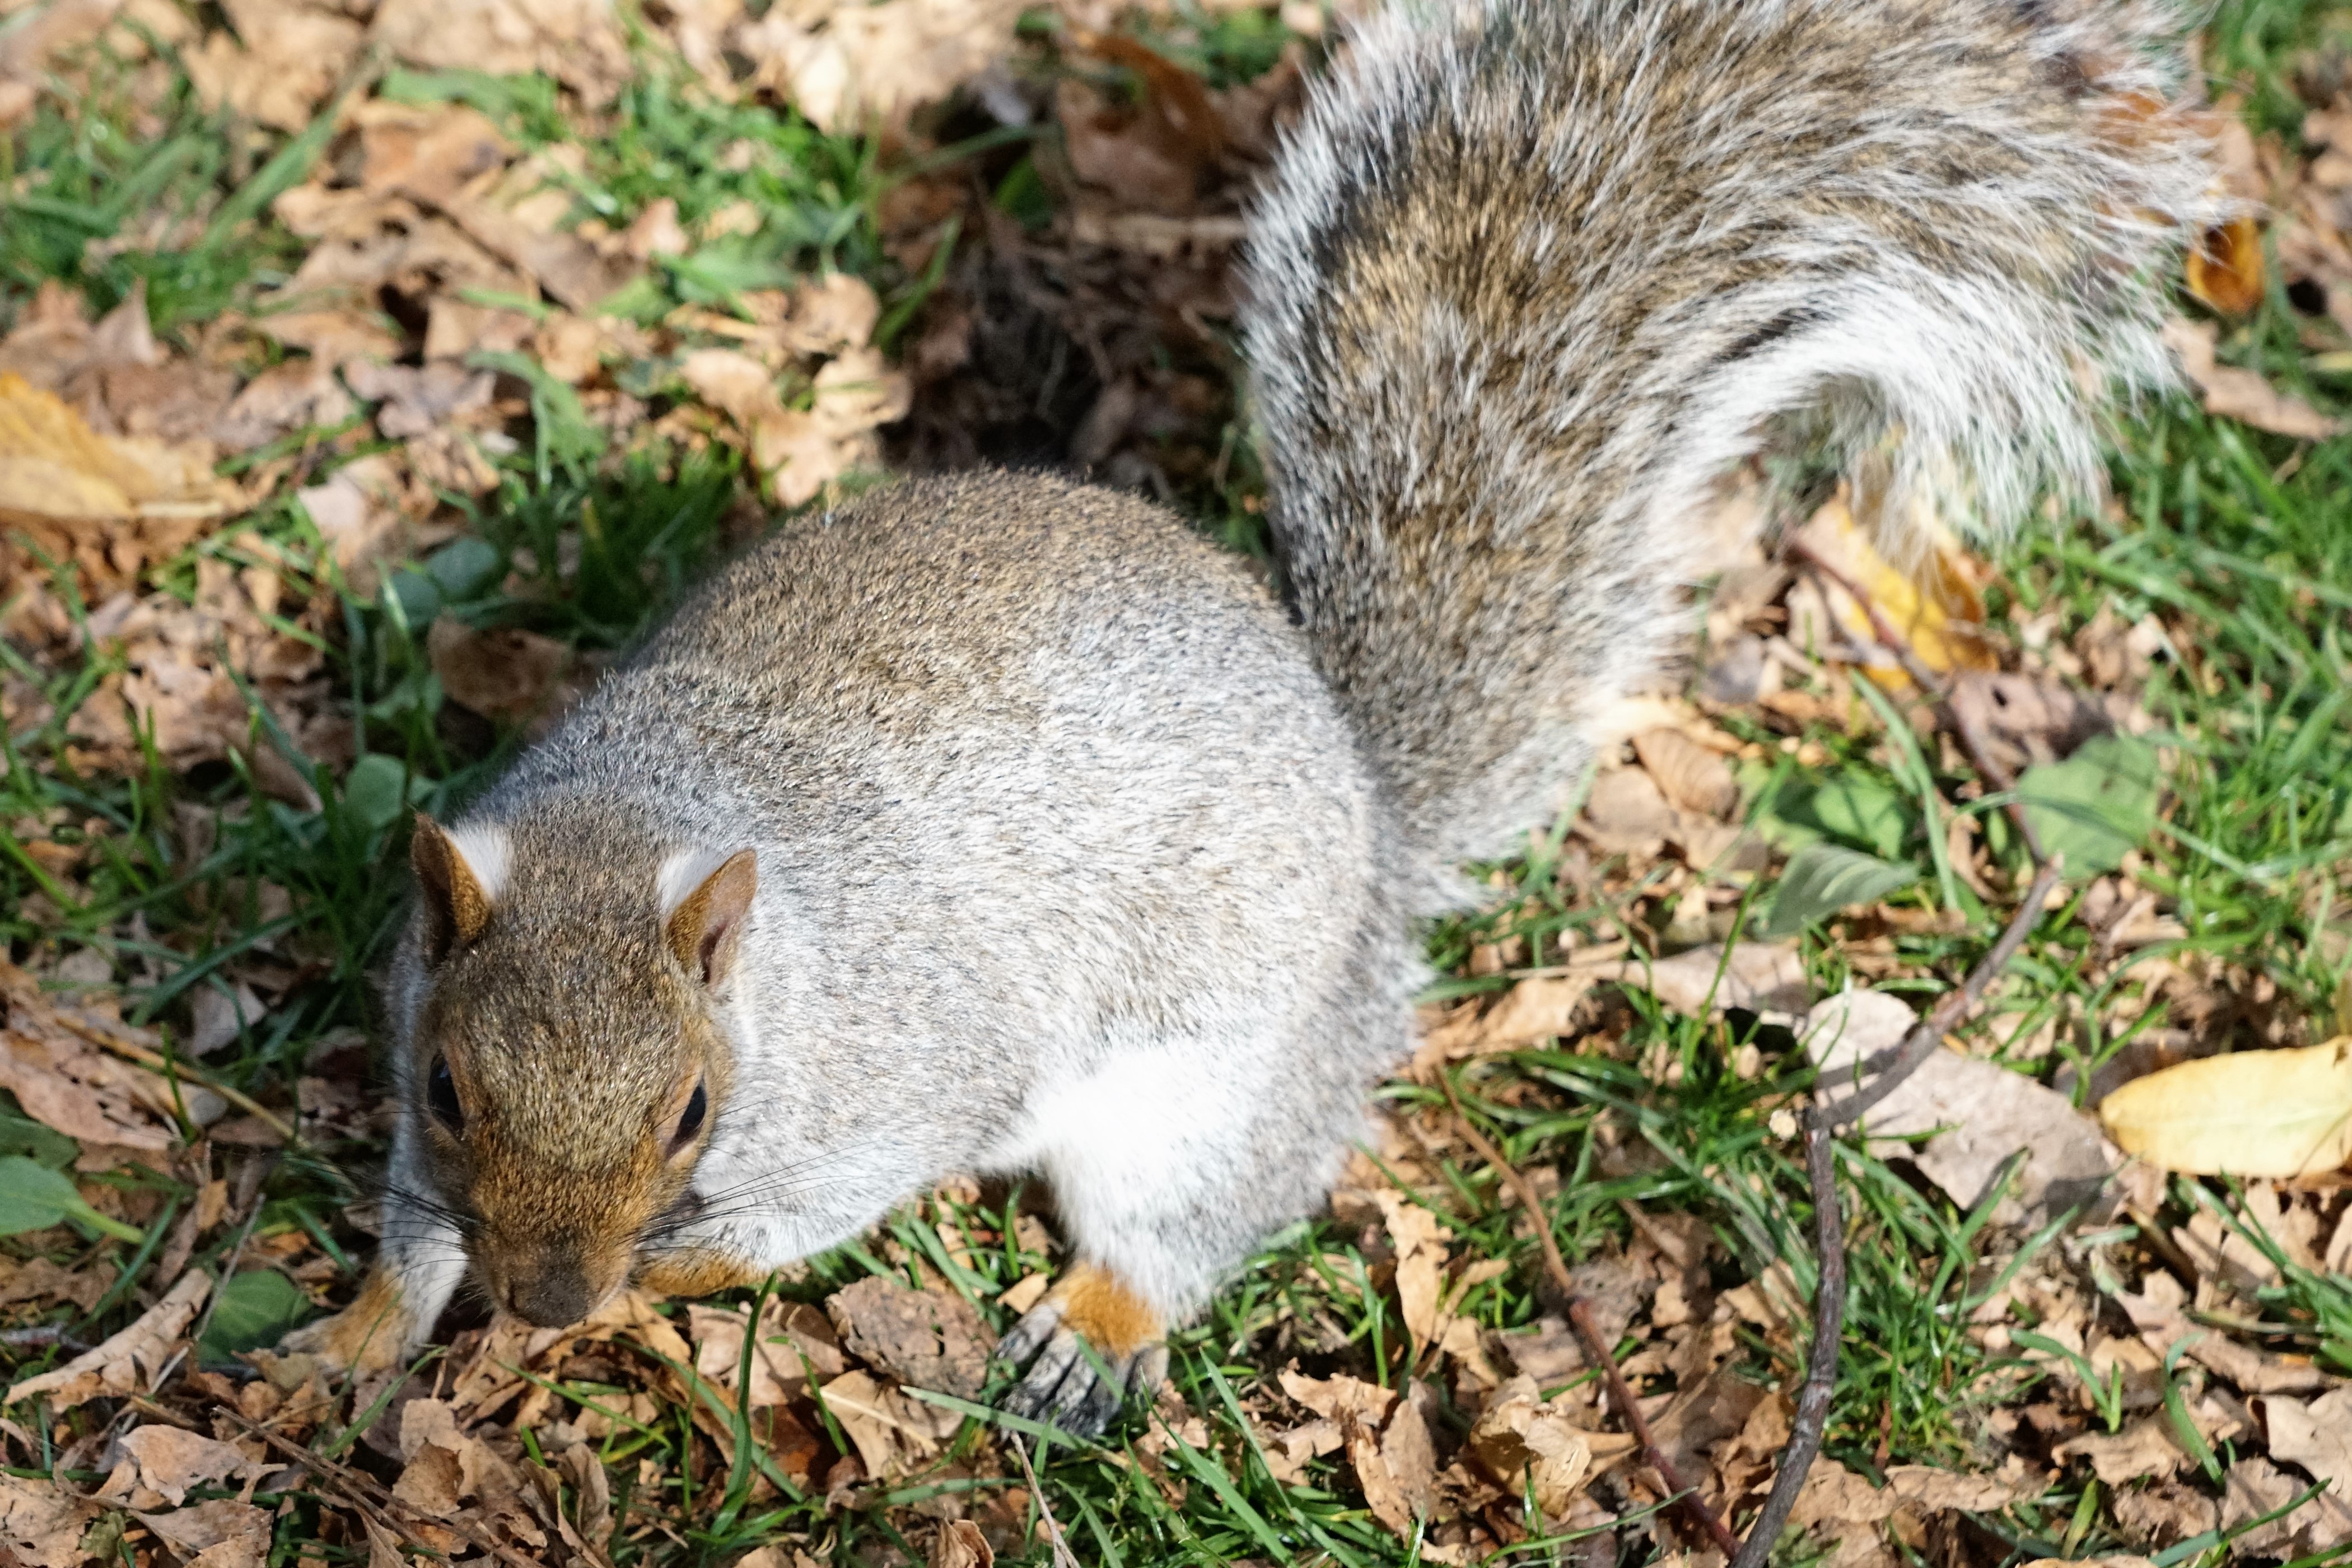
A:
x: 450, y: 307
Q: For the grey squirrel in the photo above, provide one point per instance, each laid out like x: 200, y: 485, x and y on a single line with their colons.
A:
x: 996, y: 823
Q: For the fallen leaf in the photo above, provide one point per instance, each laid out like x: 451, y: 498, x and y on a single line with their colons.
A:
x: 848, y: 67
x: 2225, y: 268
x: 359, y: 511
x: 42, y: 1525
x: 2160, y: 1311
x: 2251, y: 1113
x: 781, y: 1366
x: 296, y: 395
x: 1527, y: 1444
x: 1980, y: 1113
x: 221, y: 1533
x: 280, y: 66
x: 107, y: 504
x: 2255, y: 1487
x: 931, y: 1338
x: 1537, y: 1008
x: 1935, y: 607
x: 578, y: 42
x: 2142, y: 1451
x: 893, y: 1432
x: 61, y: 1081
x: 171, y: 1461
x: 419, y: 399
x: 2241, y: 394
x: 959, y: 1544
x: 503, y: 673
x: 126, y: 1362
x: 1690, y: 774
x: 1764, y: 978
x: 2316, y: 1435
x: 1833, y: 1494
x: 2096, y: 806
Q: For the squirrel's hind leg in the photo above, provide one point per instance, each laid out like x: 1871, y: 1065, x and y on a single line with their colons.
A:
x: 1088, y: 1344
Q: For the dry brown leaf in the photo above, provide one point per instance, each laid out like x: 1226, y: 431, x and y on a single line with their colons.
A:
x: 43, y: 1281
x: 1984, y: 1112
x: 794, y: 1342
x: 1764, y: 978
x: 221, y: 1533
x: 931, y: 1338
x: 959, y: 1544
x: 2251, y: 1113
x: 847, y: 67
x: 295, y: 394
x: 2141, y: 1451
x: 2225, y: 268
x: 429, y: 152
x: 126, y: 1362
x: 359, y: 511
x: 2255, y: 1487
x: 1934, y: 607
x: 42, y: 1525
x: 1833, y: 1494
x: 39, y: 36
x: 420, y: 399
x: 1691, y: 775
x: 2316, y: 1435
x: 1537, y: 1008
x: 892, y: 1432
x: 171, y: 1461
x: 2241, y: 394
x: 62, y: 1080
x: 1525, y: 1444
x: 109, y: 504
x: 578, y: 42
x: 281, y: 65
x: 2160, y: 1311
x: 504, y: 673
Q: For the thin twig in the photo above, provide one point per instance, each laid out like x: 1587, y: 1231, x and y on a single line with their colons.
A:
x: 156, y: 1062
x: 1588, y: 1336
x: 228, y: 1271
x: 1812, y: 1421
x: 1929, y: 1034
x: 1063, y: 1556
x: 1932, y: 686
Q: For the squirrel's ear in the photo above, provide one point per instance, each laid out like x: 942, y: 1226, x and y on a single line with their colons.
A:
x: 704, y: 925
x: 456, y: 892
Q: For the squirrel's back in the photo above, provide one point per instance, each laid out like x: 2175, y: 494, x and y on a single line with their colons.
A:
x: 1534, y: 275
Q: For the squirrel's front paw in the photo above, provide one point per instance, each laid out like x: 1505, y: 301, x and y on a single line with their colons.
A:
x: 1087, y: 1325
x: 373, y: 1333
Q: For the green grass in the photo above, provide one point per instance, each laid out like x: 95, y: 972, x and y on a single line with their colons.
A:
x: 2241, y: 538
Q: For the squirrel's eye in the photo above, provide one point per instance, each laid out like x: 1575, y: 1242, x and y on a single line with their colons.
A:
x: 441, y: 1097
x: 689, y: 1121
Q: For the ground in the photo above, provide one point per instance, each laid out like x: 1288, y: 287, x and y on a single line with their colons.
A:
x: 370, y: 373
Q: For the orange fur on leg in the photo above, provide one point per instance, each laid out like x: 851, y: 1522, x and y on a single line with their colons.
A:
x: 369, y: 1335
x: 1110, y: 1316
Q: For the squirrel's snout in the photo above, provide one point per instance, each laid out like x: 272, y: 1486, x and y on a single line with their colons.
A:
x: 556, y: 1299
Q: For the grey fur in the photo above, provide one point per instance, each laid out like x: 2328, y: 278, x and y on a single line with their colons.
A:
x: 1075, y: 852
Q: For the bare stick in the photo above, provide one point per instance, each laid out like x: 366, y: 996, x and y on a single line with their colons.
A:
x: 1812, y: 1418
x: 1588, y: 1336
x: 1929, y: 1034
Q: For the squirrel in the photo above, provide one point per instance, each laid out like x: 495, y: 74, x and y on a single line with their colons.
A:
x: 995, y: 822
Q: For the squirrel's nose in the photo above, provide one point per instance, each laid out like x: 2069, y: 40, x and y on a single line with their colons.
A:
x: 552, y: 1298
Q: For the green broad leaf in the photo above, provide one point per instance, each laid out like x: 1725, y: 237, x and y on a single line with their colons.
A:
x: 1861, y: 810
x: 374, y: 790
x: 1822, y: 879
x: 35, y: 1197
x: 20, y: 1134
x: 2095, y: 807
x: 254, y: 1309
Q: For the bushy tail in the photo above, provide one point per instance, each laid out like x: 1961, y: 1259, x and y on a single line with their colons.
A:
x: 1534, y: 275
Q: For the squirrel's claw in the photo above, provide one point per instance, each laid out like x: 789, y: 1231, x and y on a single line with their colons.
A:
x: 1088, y: 1345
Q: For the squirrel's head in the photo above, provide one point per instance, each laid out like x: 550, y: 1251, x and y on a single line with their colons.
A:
x: 570, y: 1057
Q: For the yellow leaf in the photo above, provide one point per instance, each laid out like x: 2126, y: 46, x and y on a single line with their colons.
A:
x: 1935, y: 609
x: 2252, y: 1113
